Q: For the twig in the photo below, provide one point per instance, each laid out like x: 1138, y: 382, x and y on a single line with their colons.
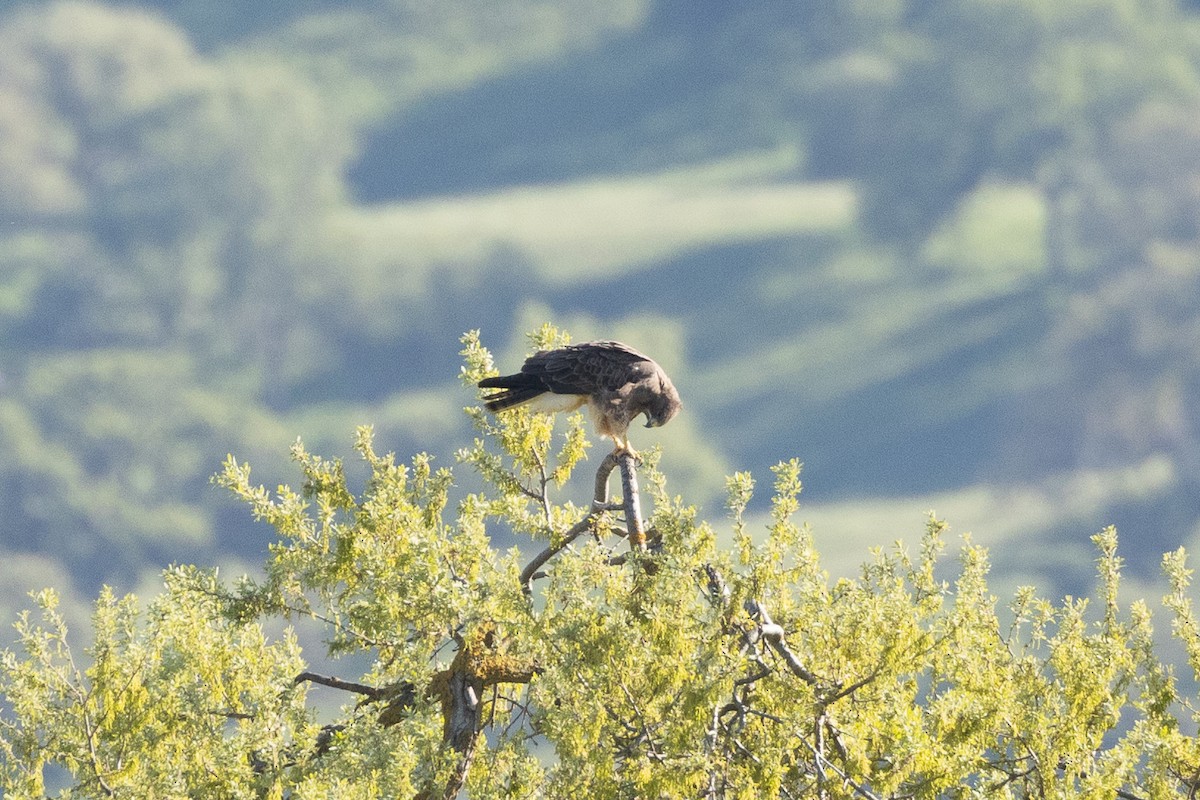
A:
x: 90, y: 733
x: 645, y: 729
x: 522, y: 709
x: 1124, y: 795
x: 285, y: 608
x: 653, y: 545
x: 822, y: 762
x: 84, y: 698
x: 764, y: 672
x: 545, y: 481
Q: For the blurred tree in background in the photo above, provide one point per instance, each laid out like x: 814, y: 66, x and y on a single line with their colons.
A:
x: 927, y: 245
x: 161, y: 226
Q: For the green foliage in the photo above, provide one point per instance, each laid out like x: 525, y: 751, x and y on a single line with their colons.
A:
x: 173, y: 699
x: 689, y: 669
x: 527, y: 468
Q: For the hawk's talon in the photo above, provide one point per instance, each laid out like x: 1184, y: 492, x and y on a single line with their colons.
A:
x: 627, y: 450
x: 621, y: 446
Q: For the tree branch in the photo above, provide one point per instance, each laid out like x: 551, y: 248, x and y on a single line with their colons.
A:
x: 600, y: 486
x: 480, y: 662
x: 633, y: 503
x: 372, y: 692
x: 599, y: 505
x: 772, y: 634
x: 531, y: 569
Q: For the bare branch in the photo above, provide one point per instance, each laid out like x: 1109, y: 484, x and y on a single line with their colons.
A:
x: 372, y: 692
x: 531, y: 569
x: 633, y: 503
x: 459, y: 692
x: 600, y: 493
x: 600, y: 504
x: 772, y: 634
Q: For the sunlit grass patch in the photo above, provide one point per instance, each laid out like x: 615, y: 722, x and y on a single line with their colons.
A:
x: 617, y: 225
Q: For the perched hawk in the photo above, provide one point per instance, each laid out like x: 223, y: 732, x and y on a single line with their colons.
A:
x: 617, y: 382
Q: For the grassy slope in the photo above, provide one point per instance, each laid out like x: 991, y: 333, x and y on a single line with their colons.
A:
x: 578, y: 233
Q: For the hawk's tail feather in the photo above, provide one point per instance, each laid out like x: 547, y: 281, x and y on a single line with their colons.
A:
x: 521, y: 380
x: 510, y: 397
x: 516, y: 389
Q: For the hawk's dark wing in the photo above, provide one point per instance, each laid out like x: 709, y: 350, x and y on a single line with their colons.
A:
x: 585, y: 369
x: 588, y: 368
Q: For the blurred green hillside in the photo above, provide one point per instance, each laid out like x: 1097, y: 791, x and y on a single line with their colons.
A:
x: 942, y: 251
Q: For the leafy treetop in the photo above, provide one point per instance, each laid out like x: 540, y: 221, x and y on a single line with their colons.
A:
x: 704, y: 664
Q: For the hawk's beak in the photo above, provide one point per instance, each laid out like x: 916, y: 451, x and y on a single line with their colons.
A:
x: 649, y: 422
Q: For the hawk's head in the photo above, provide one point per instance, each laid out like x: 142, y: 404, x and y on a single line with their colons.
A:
x: 662, y: 404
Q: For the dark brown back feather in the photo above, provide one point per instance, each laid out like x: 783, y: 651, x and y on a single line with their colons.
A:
x: 588, y: 368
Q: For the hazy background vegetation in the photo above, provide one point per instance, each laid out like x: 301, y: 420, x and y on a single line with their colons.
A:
x: 946, y: 252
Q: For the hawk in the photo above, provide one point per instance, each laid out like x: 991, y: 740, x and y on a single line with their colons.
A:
x: 615, y: 381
